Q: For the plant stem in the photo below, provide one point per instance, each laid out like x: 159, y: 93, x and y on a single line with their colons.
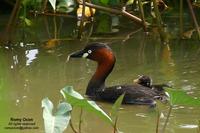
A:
x: 114, y: 11
x: 13, y: 16
x: 115, y: 125
x: 158, y: 122
x: 55, y: 27
x: 142, y: 15
x: 157, y: 13
x: 82, y: 20
x: 194, y: 17
x: 44, y: 5
x: 181, y: 18
x: 72, y: 127
x: 198, y: 130
x: 163, y: 35
x: 167, y: 119
x: 80, y: 121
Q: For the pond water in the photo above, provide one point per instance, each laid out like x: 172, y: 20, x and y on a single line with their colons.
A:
x: 35, y: 67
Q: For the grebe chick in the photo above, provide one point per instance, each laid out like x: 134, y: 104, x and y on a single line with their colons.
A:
x: 158, y: 88
x: 96, y: 89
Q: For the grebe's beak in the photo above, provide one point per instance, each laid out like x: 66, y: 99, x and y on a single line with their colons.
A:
x: 136, y: 81
x: 77, y: 54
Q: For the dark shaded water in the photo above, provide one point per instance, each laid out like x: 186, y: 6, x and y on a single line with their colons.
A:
x: 35, y: 67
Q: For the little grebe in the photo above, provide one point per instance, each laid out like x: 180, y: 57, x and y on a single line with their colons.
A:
x: 96, y: 89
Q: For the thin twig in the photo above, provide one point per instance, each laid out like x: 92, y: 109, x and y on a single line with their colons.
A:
x: 194, y: 18
x: 115, y: 11
x: 167, y: 119
x: 53, y: 14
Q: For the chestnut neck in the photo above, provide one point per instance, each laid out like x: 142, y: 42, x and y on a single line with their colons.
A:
x: 97, y: 82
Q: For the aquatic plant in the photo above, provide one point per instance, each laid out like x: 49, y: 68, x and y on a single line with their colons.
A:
x: 143, y: 13
x: 177, y: 97
x: 58, y: 122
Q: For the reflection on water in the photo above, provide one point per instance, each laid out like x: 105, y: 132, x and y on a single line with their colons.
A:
x: 31, y: 55
x: 30, y: 72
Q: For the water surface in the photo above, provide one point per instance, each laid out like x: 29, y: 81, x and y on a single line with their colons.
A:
x: 35, y: 67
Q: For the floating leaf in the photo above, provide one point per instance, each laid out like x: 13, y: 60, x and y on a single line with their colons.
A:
x: 179, y: 97
x: 75, y: 99
x: 53, y: 4
x: 116, y: 106
x: 55, y: 123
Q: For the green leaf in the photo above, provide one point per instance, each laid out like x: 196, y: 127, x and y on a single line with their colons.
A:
x: 104, y: 24
x: 27, y: 21
x: 179, y: 97
x: 75, y: 99
x: 105, y: 2
x: 116, y: 106
x: 55, y: 123
x: 65, y: 6
x: 129, y: 2
x: 53, y: 4
x: 25, y: 2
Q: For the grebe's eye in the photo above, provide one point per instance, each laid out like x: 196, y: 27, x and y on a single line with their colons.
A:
x: 89, y: 51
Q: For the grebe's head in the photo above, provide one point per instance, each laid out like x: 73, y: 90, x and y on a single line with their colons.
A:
x: 95, y: 51
x: 144, y: 81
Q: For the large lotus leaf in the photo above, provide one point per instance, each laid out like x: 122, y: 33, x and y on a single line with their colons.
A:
x: 55, y: 123
x: 75, y: 99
